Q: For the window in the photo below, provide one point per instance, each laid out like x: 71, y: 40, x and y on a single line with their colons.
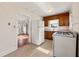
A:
x: 54, y: 23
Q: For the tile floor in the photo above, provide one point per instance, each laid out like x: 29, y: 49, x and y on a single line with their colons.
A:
x: 31, y: 50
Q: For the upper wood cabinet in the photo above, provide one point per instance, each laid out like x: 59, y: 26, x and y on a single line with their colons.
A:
x: 63, y: 19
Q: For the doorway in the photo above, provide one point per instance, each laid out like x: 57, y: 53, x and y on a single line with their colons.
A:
x: 23, y: 33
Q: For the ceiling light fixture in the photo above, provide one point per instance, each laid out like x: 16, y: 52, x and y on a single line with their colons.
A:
x: 49, y: 10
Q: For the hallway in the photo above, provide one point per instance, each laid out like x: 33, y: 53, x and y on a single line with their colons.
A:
x: 31, y: 50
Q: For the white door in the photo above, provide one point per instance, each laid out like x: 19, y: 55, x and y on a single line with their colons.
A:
x: 41, y: 35
x: 41, y: 32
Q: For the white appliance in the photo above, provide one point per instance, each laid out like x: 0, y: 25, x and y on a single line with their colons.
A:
x: 64, y: 44
x: 37, y: 32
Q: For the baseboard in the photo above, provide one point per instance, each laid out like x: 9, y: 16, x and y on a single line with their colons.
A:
x: 38, y: 43
x: 3, y: 53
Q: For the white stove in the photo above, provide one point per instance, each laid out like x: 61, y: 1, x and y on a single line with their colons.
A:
x: 64, y: 33
x: 64, y: 44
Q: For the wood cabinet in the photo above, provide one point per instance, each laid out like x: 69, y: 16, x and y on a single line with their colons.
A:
x: 63, y: 19
x: 48, y: 35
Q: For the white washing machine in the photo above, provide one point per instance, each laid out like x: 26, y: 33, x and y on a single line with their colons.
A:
x: 64, y: 44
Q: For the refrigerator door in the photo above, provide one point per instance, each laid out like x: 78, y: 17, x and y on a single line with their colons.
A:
x: 41, y: 35
x: 34, y: 32
x: 41, y: 32
x: 41, y: 24
x: 37, y: 32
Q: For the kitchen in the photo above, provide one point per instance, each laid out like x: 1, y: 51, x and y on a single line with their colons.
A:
x: 60, y: 29
x: 62, y: 21
x: 46, y: 25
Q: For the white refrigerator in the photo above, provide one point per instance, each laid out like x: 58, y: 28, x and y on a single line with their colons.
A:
x: 37, y: 32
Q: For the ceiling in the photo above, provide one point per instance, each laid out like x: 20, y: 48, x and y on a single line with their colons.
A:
x: 41, y: 8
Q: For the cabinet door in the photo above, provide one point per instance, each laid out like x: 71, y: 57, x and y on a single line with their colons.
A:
x: 61, y: 22
x: 48, y: 35
x: 64, y: 21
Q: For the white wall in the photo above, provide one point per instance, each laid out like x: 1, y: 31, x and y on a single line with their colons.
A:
x: 75, y: 17
x: 7, y: 33
x: 8, y: 41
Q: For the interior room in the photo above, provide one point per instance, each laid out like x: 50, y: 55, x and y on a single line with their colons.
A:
x: 39, y: 29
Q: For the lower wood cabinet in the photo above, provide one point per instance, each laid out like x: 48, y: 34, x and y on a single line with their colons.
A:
x: 48, y: 35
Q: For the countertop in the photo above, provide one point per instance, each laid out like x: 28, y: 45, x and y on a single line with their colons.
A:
x: 64, y: 28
